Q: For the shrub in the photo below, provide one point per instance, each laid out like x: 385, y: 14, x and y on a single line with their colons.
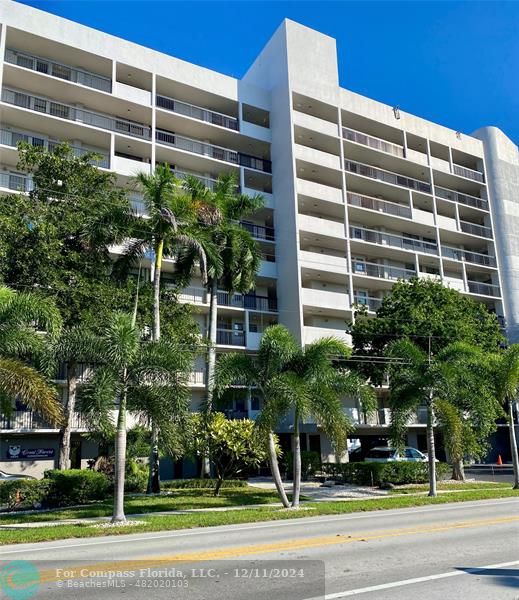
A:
x: 136, y: 479
x: 397, y: 473
x: 76, y: 486
x: 22, y: 494
x: 310, y: 464
x: 209, y: 484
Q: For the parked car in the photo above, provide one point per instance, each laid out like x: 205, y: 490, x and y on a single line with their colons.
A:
x: 10, y: 476
x: 384, y: 454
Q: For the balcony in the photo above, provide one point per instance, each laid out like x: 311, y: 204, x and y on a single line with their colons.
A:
x: 385, y: 206
x: 461, y: 198
x: 372, y: 142
x: 387, y: 176
x: 324, y: 299
x: 48, y: 67
x: 79, y: 115
x: 323, y: 261
x: 16, y: 182
x: 321, y: 226
x: 369, y: 269
x: 196, y: 112
x: 247, y: 301
x: 196, y: 378
x: 25, y: 420
x: 317, y: 157
x: 474, y: 229
x: 211, y: 151
x: 372, y: 303
x: 468, y: 173
x: 319, y: 191
x: 130, y: 166
x: 312, y: 334
x: 193, y: 295
x: 389, y: 239
x: 259, y: 232
x: 484, y: 289
x: 11, y: 138
x: 472, y: 257
x: 230, y: 337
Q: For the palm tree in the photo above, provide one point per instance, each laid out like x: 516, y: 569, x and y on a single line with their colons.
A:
x: 24, y: 317
x: 507, y: 389
x: 233, y: 257
x: 306, y: 383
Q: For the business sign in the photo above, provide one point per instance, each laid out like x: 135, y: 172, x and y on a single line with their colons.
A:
x: 29, y: 453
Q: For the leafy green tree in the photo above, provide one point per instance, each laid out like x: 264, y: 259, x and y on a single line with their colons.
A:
x: 24, y: 317
x: 234, y: 445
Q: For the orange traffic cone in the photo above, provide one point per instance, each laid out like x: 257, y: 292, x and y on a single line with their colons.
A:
x: 499, y: 460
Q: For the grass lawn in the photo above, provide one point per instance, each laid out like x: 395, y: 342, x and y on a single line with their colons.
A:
x: 208, y: 519
x: 443, y: 486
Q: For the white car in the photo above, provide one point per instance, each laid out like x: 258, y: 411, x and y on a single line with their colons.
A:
x: 10, y: 476
x: 384, y: 454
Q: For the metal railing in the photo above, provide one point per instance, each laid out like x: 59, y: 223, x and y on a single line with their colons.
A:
x: 372, y: 142
x: 27, y: 419
x: 468, y: 173
x: 16, y: 182
x: 196, y: 377
x: 454, y: 196
x: 217, y: 152
x: 385, y: 206
x: 193, y: 295
x: 197, y: 112
x: 260, y: 303
x: 389, y: 239
x: 381, y: 271
x: 371, y: 302
x: 230, y: 337
x: 468, y: 256
x: 11, y: 138
x: 49, y: 67
x: 71, y: 113
x: 84, y: 372
x: 485, y: 289
x: 387, y: 176
x: 475, y: 229
x: 259, y: 232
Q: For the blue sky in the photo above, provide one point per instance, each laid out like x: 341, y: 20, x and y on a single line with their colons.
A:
x: 455, y: 63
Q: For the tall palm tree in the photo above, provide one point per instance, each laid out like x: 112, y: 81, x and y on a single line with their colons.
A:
x: 302, y: 382
x: 24, y: 319
x: 234, y: 258
x: 507, y: 389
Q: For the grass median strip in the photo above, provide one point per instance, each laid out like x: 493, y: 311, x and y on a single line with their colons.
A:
x: 252, y: 515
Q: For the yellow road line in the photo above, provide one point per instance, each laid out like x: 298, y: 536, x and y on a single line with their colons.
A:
x: 49, y: 575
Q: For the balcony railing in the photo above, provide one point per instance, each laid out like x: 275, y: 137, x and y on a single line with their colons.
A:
x: 468, y: 173
x: 197, y: 112
x: 197, y: 378
x: 26, y: 419
x: 259, y: 232
x: 475, y: 229
x: 372, y: 142
x: 461, y: 198
x: 49, y: 67
x: 11, y: 138
x: 387, y: 176
x: 471, y: 257
x: 372, y: 303
x: 381, y: 271
x: 193, y: 295
x: 390, y: 208
x: 389, y: 239
x: 248, y: 301
x: 230, y: 337
x: 16, y: 182
x: 485, y: 289
x: 71, y: 113
x: 217, y: 152
x: 227, y: 299
x: 84, y: 372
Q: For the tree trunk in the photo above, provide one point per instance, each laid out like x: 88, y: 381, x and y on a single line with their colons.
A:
x: 458, y: 470
x: 120, y: 460
x: 154, y: 464
x: 218, y: 485
x: 274, y: 469
x: 431, y: 450
x: 296, y: 449
x: 69, y: 408
x: 156, y: 290
x: 513, y: 445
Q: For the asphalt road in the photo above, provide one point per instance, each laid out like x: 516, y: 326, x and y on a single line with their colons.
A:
x: 445, y: 552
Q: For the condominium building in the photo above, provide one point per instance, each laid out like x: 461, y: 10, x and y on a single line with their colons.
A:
x: 358, y: 194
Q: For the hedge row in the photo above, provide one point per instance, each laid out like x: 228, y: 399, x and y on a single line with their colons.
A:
x: 397, y: 473
x: 184, y: 484
x: 58, y: 488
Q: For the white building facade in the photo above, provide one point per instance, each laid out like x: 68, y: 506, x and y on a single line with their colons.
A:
x: 358, y: 194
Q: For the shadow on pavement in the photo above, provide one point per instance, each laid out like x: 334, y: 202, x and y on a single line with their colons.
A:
x: 503, y: 577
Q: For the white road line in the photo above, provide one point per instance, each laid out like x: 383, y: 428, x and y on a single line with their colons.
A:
x: 397, y: 584
x: 268, y: 525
